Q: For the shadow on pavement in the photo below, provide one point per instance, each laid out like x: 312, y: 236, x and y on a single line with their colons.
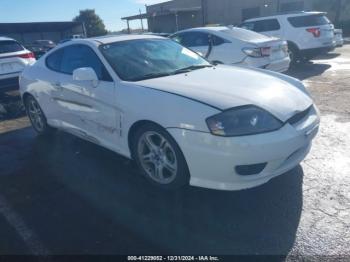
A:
x: 11, y: 106
x: 83, y: 199
x: 303, y: 71
x: 327, y: 56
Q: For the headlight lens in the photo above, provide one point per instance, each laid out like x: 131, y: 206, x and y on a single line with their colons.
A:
x: 242, y: 121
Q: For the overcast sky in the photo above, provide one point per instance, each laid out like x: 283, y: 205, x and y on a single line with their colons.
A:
x: 110, y: 11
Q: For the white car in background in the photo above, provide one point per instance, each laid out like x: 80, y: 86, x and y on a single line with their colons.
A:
x: 13, y: 59
x: 338, y: 37
x: 183, y: 120
x: 308, y: 33
x: 236, y: 46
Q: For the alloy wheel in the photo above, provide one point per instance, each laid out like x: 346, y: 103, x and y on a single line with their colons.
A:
x: 157, y: 157
x: 36, y: 115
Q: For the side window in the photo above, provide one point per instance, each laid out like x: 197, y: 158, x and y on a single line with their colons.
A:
x: 266, y: 25
x: 272, y: 25
x: 176, y: 38
x: 186, y: 39
x: 248, y: 26
x: 76, y: 56
x: 199, y: 39
x: 54, y: 60
x: 194, y: 39
x: 180, y: 38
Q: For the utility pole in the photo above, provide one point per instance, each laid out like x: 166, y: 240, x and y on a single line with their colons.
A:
x: 141, y: 19
x: 177, y: 21
x: 127, y: 22
x: 204, y: 10
x: 148, y: 21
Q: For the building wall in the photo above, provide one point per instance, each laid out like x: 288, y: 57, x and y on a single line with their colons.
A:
x: 163, y: 16
x: 173, y: 4
x: 225, y: 12
x: 167, y: 23
x: 230, y: 12
x: 28, y: 37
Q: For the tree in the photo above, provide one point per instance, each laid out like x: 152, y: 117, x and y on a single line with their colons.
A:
x: 93, y: 23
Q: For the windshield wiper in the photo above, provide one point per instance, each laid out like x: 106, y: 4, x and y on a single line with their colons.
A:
x: 150, y: 76
x: 179, y: 71
x: 190, y: 68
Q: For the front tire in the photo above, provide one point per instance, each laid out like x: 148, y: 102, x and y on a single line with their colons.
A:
x: 37, y: 116
x: 159, y: 158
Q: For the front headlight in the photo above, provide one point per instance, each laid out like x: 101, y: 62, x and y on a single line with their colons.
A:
x: 242, y: 121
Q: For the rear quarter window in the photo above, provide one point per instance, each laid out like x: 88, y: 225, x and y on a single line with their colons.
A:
x: 310, y: 20
x: 10, y: 46
x: 218, y: 40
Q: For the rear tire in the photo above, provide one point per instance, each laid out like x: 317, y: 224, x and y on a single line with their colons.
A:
x: 159, y: 158
x: 294, y: 54
x: 37, y: 116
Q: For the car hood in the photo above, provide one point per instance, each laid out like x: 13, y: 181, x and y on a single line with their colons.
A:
x: 225, y: 87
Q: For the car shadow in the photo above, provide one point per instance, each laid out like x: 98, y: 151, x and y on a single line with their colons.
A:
x: 11, y: 106
x: 327, y: 56
x: 306, y: 70
x: 54, y: 175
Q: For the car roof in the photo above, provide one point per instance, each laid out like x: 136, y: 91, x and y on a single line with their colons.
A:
x: 115, y: 38
x: 210, y: 28
x: 301, y: 13
x: 4, y: 38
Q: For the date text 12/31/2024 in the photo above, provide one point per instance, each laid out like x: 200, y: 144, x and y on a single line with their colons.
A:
x: 173, y: 258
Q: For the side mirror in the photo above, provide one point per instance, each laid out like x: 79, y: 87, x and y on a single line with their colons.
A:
x: 85, y: 74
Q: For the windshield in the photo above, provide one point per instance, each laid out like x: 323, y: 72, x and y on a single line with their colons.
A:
x: 137, y: 60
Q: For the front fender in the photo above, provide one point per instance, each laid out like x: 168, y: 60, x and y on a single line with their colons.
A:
x: 166, y: 109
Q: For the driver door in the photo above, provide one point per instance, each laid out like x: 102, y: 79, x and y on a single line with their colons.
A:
x: 89, y: 108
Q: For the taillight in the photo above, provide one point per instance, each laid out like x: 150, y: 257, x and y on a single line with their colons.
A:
x: 257, y: 52
x: 315, y: 31
x: 266, y: 51
x: 27, y: 55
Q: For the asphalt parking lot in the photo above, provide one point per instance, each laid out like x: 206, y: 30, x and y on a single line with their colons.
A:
x: 66, y: 196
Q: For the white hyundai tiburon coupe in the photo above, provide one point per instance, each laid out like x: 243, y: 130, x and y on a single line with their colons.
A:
x: 183, y: 120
